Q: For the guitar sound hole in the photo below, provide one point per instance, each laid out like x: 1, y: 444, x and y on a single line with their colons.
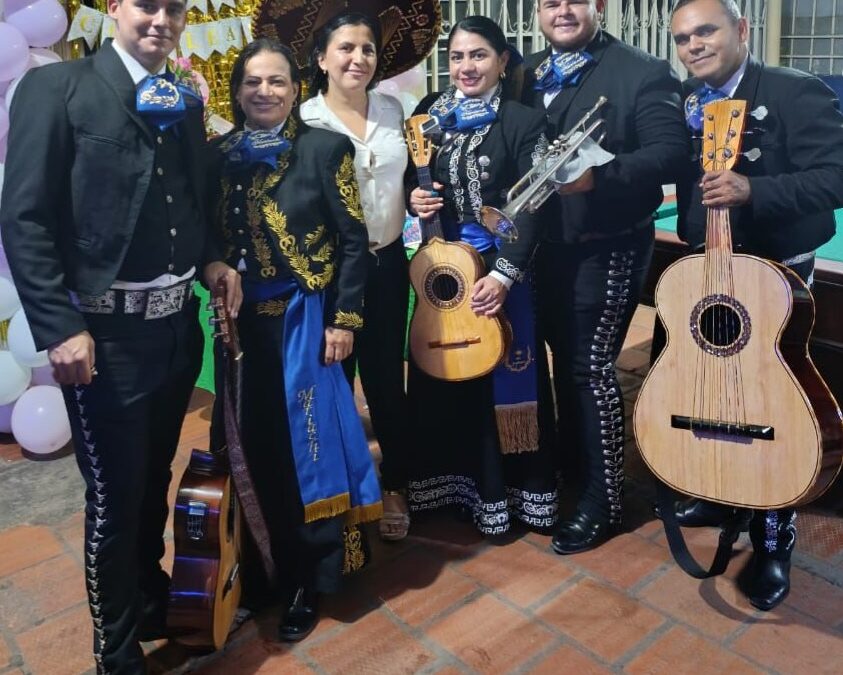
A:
x: 720, y: 325
x: 445, y: 287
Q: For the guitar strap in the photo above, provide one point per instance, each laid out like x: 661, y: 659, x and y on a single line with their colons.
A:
x: 242, y: 478
x: 729, y: 533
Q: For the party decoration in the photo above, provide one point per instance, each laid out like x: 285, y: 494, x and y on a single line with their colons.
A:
x: 14, y: 52
x: 42, y: 22
x: 37, y: 57
x: 39, y: 420
x: 22, y: 344
x: 43, y: 375
x: 9, y: 300
x: 6, y: 418
x: 14, y: 378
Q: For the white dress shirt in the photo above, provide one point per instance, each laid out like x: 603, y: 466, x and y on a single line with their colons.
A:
x: 379, y: 161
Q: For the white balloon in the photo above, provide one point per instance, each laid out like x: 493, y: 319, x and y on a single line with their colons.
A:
x: 6, y: 418
x: 22, y: 344
x: 14, y: 378
x: 43, y: 375
x: 408, y: 102
x: 39, y: 420
x: 9, y: 300
x: 37, y: 57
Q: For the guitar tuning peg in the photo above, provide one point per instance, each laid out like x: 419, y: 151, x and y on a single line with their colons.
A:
x: 752, y: 155
x: 760, y: 113
x: 213, y: 321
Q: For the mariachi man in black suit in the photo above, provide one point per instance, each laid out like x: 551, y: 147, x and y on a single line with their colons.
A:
x: 593, y: 260
x: 104, y: 231
x: 781, y: 205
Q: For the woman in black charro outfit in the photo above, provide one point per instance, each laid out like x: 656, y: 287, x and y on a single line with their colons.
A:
x: 290, y: 221
x: 479, y: 444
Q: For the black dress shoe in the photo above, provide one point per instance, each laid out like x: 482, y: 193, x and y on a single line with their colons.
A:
x: 700, y: 513
x: 300, y: 616
x: 770, y: 582
x: 581, y: 533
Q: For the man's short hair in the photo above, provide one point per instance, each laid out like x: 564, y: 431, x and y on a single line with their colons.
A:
x: 729, y: 6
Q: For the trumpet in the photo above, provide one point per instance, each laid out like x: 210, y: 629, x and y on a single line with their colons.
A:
x: 534, y: 187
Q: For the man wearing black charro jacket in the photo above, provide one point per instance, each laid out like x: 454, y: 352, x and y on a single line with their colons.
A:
x: 104, y: 230
x: 592, y: 263
x: 781, y: 205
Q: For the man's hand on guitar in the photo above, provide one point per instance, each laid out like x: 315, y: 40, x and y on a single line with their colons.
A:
x: 488, y: 296
x: 725, y: 189
x: 338, y: 344
x: 73, y: 359
x: 217, y: 273
x: 425, y: 203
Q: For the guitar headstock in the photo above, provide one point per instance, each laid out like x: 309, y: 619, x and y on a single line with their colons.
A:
x: 226, y: 327
x: 723, y: 123
x: 421, y: 146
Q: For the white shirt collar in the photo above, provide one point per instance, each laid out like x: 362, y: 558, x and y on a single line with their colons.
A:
x: 275, y: 130
x: 136, y: 71
x: 731, y: 85
x: 486, y: 95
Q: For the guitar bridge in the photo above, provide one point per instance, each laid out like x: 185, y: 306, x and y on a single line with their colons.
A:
x: 454, y: 344
x: 760, y: 431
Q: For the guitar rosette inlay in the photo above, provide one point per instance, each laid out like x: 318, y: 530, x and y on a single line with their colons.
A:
x: 720, y: 325
x: 444, y: 286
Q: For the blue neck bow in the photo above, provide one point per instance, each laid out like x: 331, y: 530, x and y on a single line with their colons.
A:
x: 163, y: 101
x: 245, y: 148
x: 464, y: 114
x: 558, y: 71
x: 695, y: 103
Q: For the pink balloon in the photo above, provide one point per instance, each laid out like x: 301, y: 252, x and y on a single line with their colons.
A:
x: 4, y: 122
x: 42, y: 22
x: 13, y: 6
x: 3, y: 150
x: 389, y: 87
x: 3, y: 87
x: 14, y: 53
x: 39, y: 420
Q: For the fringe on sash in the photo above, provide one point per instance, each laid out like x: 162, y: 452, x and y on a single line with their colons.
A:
x: 364, y: 514
x: 327, y: 508
x: 518, y: 427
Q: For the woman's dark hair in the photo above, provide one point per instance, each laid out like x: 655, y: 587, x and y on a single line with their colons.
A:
x: 318, y: 81
x: 238, y: 70
x: 492, y: 33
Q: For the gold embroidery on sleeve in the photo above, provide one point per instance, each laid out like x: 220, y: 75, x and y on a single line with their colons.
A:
x: 348, y: 320
x: 348, y: 188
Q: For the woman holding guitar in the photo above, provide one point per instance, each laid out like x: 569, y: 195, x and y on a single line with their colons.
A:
x: 344, y: 66
x: 289, y: 218
x: 478, y: 439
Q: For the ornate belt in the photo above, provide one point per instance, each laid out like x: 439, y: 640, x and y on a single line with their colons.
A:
x: 153, y: 303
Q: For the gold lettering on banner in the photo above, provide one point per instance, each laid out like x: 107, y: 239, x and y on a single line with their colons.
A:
x: 306, y: 399
x: 518, y: 360
x: 188, y: 41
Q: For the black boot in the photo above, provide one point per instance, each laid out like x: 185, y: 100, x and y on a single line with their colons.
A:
x: 299, y: 616
x: 581, y: 533
x: 773, y: 535
x: 700, y: 513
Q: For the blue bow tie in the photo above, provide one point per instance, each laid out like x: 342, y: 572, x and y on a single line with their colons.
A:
x: 558, y: 71
x: 695, y: 103
x: 245, y: 148
x: 164, y: 101
x: 464, y: 114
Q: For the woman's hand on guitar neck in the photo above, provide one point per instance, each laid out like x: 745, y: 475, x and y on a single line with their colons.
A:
x: 488, y: 296
x: 425, y: 203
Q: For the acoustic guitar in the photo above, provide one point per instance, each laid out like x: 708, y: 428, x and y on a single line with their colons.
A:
x: 733, y: 410
x: 205, y: 587
x: 448, y: 340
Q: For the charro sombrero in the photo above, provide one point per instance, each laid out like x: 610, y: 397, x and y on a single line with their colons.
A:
x: 410, y: 28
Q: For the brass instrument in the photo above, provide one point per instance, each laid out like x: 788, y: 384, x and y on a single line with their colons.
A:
x: 533, y: 189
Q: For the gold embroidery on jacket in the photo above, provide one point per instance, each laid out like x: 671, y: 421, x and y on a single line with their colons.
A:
x: 273, y: 307
x: 299, y: 264
x: 325, y: 253
x: 349, y: 190
x: 348, y: 320
x: 312, y: 238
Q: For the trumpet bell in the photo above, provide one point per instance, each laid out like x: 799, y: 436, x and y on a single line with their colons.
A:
x: 497, y: 222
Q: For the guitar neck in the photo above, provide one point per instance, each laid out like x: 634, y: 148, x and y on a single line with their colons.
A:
x: 431, y: 227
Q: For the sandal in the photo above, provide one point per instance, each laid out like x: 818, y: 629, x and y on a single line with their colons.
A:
x: 395, y: 522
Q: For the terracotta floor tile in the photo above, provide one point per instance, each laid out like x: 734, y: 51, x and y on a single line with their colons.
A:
x: 566, y: 660
x: 600, y: 618
x: 37, y: 592
x: 449, y: 670
x: 59, y: 646
x: 72, y: 529
x: 819, y: 534
x: 26, y: 545
x: 5, y: 653
x: 374, y: 644
x: 702, y: 542
x: 624, y: 560
x: 416, y: 587
x: 816, y: 597
x: 518, y: 571
x: 714, y: 606
x: 789, y: 643
x: 490, y: 637
x: 256, y: 656
x: 9, y: 449
x: 681, y: 652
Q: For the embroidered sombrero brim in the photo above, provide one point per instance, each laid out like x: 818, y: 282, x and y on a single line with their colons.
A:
x: 410, y: 28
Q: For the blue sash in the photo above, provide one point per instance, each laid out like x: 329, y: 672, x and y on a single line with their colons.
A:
x: 696, y: 102
x: 465, y: 114
x: 562, y: 70
x: 164, y: 101
x: 515, y: 379
x: 335, y: 470
x: 244, y: 148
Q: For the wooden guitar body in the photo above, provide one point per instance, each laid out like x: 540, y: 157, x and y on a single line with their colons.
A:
x: 205, y: 589
x: 447, y: 339
x: 733, y: 410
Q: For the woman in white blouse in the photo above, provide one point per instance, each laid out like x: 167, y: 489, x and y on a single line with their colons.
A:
x: 344, y: 65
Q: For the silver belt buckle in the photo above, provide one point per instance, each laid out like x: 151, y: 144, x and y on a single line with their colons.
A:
x: 161, y: 302
x: 97, y: 304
